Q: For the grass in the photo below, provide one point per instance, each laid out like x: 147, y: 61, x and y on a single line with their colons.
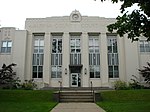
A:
x: 126, y: 101
x: 26, y: 101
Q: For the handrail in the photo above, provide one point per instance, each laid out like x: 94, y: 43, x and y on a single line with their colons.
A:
x: 92, y: 91
x: 60, y: 88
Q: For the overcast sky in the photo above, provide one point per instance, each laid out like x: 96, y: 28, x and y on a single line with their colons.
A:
x: 14, y: 12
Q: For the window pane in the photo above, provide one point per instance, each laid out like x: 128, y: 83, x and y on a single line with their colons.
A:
x: 72, y: 42
x: 40, y: 74
x: 97, y: 72
x: 34, y: 68
x: 40, y: 68
x: 8, y: 50
x: 116, y: 75
x: 59, y: 45
x: 54, y: 69
x: 9, y: 44
x: 96, y: 42
x: 35, y: 49
x: 114, y: 49
x: 96, y: 49
x: 78, y: 50
x: 110, y: 68
x: 54, y: 46
x: 3, y: 49
x: 91, y: 72
x: 94, y: 59
x: 41, y: 49
x: 147, y: 47
x: 91, y: 49
x: 34, y: 59
x: 41, y: 42
x: 34, y: 75
x: 72, y: 50
x: 90, y: 42
x: 109, y: 59
x: 4, y: 44
x: 36, y: 42
x: 77, y: 42
x: 110, y: 74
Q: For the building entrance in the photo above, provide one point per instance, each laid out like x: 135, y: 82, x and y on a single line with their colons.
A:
x: 75, y: 80
x: 75, y: 76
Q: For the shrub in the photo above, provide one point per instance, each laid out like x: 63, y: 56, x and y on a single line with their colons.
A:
x: 29, y: 85
x: 120, y: 85
x: 8, y: 79
x: 135, y: 83
x: 145, y: 72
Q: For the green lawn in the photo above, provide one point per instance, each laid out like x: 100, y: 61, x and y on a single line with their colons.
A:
x: 26, y: 101
x: 126, y: 101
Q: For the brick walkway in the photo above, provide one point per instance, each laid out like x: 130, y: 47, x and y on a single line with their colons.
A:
x: 77, y: 107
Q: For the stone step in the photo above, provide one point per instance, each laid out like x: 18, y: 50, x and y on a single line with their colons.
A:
x: 77, y: 88
x: 76, y: 96
x: 76, y: 93
x: 76, y: 100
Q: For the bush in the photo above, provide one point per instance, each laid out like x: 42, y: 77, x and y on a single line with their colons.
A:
x: 135, y: 83
x: 29, y: 85
x: 120, y: 85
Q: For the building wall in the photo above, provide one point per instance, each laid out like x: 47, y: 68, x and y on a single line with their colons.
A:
x: 130, y: 58
x: 17, y: 54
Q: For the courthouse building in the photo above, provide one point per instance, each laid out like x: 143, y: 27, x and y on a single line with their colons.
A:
x: 73, y: 49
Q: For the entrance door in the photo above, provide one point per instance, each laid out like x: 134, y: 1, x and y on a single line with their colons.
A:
x: 74, y: 79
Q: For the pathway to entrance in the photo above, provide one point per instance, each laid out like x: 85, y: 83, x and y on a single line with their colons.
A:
x: 77, y: 107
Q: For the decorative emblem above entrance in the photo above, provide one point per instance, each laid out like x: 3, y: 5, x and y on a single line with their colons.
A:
x: 75, y: 16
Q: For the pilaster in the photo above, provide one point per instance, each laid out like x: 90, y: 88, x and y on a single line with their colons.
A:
x: 85, y: 60
x: 47, y: 57
x: 104, y: 61
x: 65, y: 60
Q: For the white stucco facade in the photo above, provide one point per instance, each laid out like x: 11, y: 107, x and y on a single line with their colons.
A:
x: 73, y: 35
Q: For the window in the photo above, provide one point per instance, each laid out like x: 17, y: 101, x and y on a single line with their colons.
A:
x: 38, y: 57
x: 56, y: 57
x: 113, y: 64
x: 6, y: 46
x: 144, y: 46
x: 75, y: 45
x: 94, y: 57
x: 75, y: 50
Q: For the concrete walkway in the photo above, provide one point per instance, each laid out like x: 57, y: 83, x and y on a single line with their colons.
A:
x: 77, y: 107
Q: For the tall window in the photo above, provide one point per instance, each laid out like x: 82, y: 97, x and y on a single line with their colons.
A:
x: 38, y: 57
x: 113, y: 64
x: 94, y: 57
x: 75, y: 50
x: 144, y: 46
x: 6, y: 46
x: 56, y: 57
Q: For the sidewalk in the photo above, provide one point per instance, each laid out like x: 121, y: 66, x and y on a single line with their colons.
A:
x: 77, y: 107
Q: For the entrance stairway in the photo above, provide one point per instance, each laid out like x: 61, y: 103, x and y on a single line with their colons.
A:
x: 76, y: 96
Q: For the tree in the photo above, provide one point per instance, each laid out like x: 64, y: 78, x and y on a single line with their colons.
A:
x: 7, y: 75
x: 135, y: 24
x: 145, y: 72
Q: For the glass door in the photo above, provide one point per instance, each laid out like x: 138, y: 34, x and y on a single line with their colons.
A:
x: 74, y: 80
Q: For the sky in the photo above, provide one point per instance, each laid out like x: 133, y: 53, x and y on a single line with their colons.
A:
x: 13, y: 13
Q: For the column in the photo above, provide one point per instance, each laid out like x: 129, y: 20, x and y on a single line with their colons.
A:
x: 47, y: 57
x: 65, y: 60
x: 85, y: 60
x: 29, y: 53
x: 104, y: 61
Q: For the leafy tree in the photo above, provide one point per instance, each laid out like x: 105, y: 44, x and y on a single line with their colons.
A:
x: 133, y: 24
x: 145, y: 72
x: 7, y: 75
